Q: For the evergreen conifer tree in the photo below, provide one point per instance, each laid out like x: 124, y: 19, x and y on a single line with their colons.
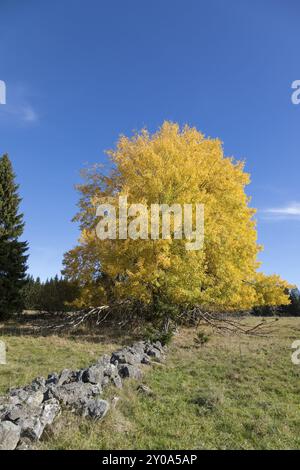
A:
x: 12, y: 251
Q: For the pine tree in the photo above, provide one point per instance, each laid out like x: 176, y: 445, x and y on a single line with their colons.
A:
x: 12, y: 251
x: 32, y: 293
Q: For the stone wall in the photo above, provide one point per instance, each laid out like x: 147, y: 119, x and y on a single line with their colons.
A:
x: 27, y: 411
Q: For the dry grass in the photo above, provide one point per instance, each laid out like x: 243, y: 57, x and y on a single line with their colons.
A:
x: 32, y: 352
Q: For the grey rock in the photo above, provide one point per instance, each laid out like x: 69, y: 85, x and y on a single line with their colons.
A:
x: 93, y: 374
x: 74, y: 393
x: 5, y: 400
x: 52, y: 379
x: 105, y: 381
x: 49, y: 393
x: 13, y: 413
x: 25, y: 395
x: 139, y: 346
x: 3, y: 411
x: 19, y: 394
x: 7, y: 406
x: 31, y: 427
x: 117, y: 381
x: 32, y: 420
x: 78, y: 375
x: 159, y: 346
x: 153, y: 352
x: 66, y: 376
x: 38, y: 384
x: 51, y: 410
x: 111, y: 375
x: 18, y: 413
x: 126, y: 356
x: 110, y: 370
x: 145, y: 390
x: 137, y: 352
x: 34, y: 398
x: 24, y: 444
x: 10, y: 413
x: 9, y: 435
x: 146, y: 360
x: 130, y: 371
x: 14, y: 400
x: 104, y: 360
x: 96, y: 409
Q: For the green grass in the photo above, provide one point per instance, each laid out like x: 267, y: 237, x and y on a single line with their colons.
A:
x: 30, y: 354
x: 231, y: 393
x: 29, y: 357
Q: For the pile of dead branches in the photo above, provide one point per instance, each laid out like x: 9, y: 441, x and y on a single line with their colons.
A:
x: 227, y: 324
x: 119, y: 313
x: 126, y: 312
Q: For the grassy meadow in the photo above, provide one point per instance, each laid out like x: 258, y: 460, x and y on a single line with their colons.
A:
x: 235, y: 392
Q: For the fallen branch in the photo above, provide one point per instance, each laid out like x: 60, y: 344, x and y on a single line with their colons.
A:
x: 228, y: 325
x: 79, y: 318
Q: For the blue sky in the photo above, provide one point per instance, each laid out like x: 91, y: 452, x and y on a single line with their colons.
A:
x: 79, y: 73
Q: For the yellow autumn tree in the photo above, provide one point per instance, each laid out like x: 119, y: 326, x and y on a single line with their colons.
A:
x: 172, y: 166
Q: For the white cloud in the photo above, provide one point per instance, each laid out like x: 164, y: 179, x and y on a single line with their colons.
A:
x: 29, y: 114
x: 291, y: 211
x: 18, y: 107
x: 21, y: 113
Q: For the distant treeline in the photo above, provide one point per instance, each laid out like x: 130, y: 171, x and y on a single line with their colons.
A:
x: 291, y: 310
x: 53, y: 295
x: 57, y: 294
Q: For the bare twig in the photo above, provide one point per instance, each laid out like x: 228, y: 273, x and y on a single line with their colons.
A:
x: 80, y: 318
x: 228, y: 325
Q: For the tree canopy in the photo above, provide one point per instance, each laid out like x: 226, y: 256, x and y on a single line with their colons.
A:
x: 182, y: 166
